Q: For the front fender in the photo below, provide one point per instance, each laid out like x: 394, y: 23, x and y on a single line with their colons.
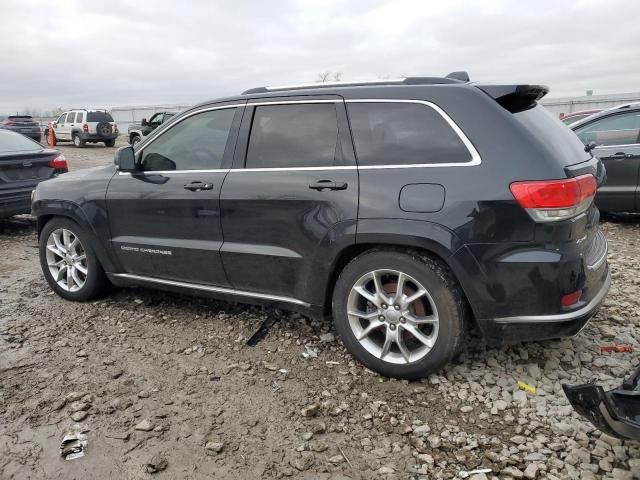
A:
x: 44, y: 210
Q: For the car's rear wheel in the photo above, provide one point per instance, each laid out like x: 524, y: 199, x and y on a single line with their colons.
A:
x: 77, y: 141
x: 109, y: 143
x: 400, y: 314
x: 68, y: 261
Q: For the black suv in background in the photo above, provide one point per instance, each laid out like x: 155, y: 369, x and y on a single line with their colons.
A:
x: 24, y: 124
x: 412, y: 211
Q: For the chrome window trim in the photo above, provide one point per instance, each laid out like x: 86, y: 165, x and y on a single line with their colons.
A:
x: 475, y: 156
x: 210, y: 288
x: 632, y: 145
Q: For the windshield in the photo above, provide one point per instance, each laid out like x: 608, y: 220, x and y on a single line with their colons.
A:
x: 11, y: 142
x: 99, y: 117
x: 566, y: 146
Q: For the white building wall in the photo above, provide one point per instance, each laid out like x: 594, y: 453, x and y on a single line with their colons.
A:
x: 566, y: 105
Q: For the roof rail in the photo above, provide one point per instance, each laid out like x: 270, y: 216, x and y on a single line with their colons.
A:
x: 455, y: 77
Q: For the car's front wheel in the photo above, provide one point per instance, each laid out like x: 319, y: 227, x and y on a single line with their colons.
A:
x: 69, y: 263
x: 400, y: 314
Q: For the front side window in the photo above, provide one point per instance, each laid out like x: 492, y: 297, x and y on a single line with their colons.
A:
x: 403, y: 134
x: 156, y: 119
x: 619, y: 129
x: 62, y: 118
x: 196, y: 143
x: 291, y: 136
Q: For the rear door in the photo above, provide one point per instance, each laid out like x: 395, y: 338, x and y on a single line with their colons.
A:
x: 165, y: 219
x: 617, y: 137
x: 291, y: 201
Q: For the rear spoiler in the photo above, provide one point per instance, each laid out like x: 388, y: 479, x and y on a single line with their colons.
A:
x: 515, y: 98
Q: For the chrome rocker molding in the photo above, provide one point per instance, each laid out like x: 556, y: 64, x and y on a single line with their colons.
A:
x: 207, y: 288
x: 562, y: 317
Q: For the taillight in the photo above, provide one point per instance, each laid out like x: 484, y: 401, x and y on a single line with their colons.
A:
x: 570, y: 299
x: 553, y: 200
x: 9, y: 123
x: 85, y: 128
x: 59, y: 163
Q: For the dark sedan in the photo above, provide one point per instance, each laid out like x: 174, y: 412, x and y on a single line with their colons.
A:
x: 23, y: 164
x: 24, y: 124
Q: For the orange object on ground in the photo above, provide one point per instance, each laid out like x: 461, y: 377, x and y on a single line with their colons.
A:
x: 616, y: 348
x: 52, y: 137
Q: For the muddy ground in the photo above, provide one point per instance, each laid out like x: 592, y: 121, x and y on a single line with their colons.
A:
x: 165, y: 383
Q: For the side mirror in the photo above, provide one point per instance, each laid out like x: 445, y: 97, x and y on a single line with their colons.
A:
x: 144, y: 122
x: 125, y: 159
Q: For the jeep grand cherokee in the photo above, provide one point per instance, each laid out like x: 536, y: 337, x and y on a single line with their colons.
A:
x: 412, y: 211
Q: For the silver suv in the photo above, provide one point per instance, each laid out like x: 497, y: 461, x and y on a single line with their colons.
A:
x: 85, y: 126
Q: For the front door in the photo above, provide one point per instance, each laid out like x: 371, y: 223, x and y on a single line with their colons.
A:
x: 617, y: 137
x: 291, y: 201
x: 165, y: 219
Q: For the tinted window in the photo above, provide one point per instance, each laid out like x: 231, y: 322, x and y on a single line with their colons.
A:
x: 196, y: 143
x: 14, y: 142
x: 620, y: 129
x: 299, y: 135
x: 156, y: 119
x: 546, y: 127
x: 99, y: 117
x: 403, y: 134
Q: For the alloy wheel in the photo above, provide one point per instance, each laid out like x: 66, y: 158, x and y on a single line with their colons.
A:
x: 393, y: 316
x: 67, y: 260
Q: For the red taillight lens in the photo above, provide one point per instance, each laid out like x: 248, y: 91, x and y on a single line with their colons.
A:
x: 9, y: 122
x: 550, y: 200
x: 59, y: 163
x: 85, y: 128
x: 570, y: 299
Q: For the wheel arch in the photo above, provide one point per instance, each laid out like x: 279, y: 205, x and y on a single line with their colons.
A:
x: 440, y: 244
x: 71, y: 211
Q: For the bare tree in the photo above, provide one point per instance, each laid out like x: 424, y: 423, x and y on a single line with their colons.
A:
x: 337, y: 76
x: 323, y: 77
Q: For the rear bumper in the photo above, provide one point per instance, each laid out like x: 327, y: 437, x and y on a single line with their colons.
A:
x: 94, y: 137
x: 616, y: 412
x: 506, y: 330
x: 15, y: 204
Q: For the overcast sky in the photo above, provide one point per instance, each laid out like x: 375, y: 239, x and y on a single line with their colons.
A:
x: 100, y: 54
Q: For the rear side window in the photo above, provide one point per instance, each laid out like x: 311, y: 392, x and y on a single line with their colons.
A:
x: 545, y: 126
x: 619, y: 129
x: 196, y: 143
x: 79, y: 117
x: 298, y: 135
x: 99, y: 117
x: 403, y: 134
x: 14, y: 142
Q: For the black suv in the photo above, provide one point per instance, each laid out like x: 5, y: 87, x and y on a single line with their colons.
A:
x: 413, y: 211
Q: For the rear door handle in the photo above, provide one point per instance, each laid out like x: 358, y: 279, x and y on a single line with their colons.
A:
x: 621, y: 156
x: 198, y: 186
x: 322, y: 185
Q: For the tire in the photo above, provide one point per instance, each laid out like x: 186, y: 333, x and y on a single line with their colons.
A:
x: 110, y: 143
x: 442, y: 310
x: 77, y: 141
x: 81, y: 286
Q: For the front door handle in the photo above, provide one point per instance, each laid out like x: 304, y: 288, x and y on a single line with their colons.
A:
x: 198, y: 186
x: 322, y: 185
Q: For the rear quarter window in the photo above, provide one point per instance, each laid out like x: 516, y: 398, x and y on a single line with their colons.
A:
x: 403, y: 134
x: 11, y: 142
x: 545, y: 126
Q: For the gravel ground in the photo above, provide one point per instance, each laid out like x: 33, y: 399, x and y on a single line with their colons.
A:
x: 164, y: 383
